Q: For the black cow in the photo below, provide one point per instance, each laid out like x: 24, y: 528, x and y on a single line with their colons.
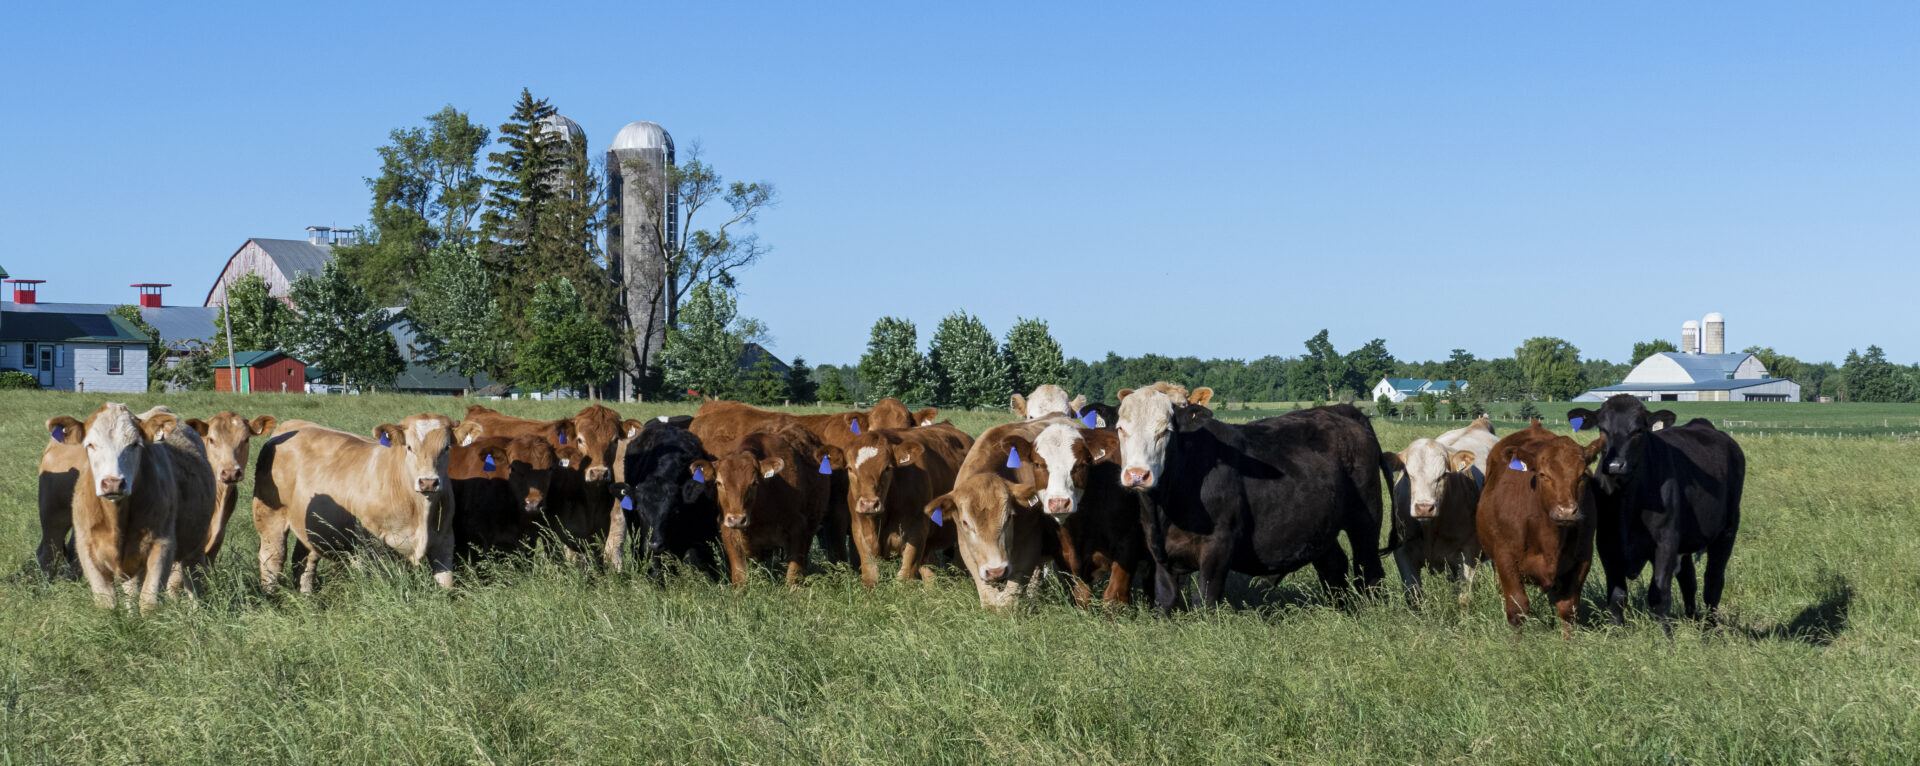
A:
x: 669, y: 509
x: 1663, y: 494
x: 1104, y: 415
x: 1264, y: 498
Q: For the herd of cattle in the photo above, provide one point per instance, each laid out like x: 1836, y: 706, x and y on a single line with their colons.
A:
x: 1156, y: 486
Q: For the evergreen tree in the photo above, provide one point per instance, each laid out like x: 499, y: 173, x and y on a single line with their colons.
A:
x: 1034, y: 358
x: 702, y: 354
x: 1429, y: 405
x: 765, y: 386
x: 800, y: 382
x: 1551, y: 367
x: 1459, y: 365
x: 1383, y: 406
x: 1528, y: 411
x: 341, y: 331
x: 523, y: 184
x: 568, y: 345
x: 1645, y: 349
x: 260, y: 321
x: 455, y: 315
x: 427, y: 194
x: 968, y: 370
x: 893, y: 365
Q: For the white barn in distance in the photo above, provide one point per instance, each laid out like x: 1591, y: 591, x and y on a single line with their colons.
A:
x: 1701, y: 371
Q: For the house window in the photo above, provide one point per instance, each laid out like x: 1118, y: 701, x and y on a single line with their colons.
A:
x: 113, y: 360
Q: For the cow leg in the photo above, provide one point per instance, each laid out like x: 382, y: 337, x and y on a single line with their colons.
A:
x: 225, y: 498
x: 866, y: 541
x: 913, y: 545
x: 1660, y: 590
x: 1214, y: 561
x: 1332, y: 568
x: 1467, y: 570
x: 1513, y: 594
x: 1687, y: 585
x: 1166, y: 588
x: 159, y: 570
x: 1616, y: 594
x: 616, y: 539
x: 307, y: 558
x: 98, y: 580
x: 1716, y: 575
x: 737, y: 557
x: 1119, y: 583
x: 1076, y: 563
x: 440, y: 559
x: 273, y: 545
x: 55, y: 552
x: 1409, y: 574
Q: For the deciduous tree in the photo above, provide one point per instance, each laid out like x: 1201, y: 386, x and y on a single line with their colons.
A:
x: 340, y: 330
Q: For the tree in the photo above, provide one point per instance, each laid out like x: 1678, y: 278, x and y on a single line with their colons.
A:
x: 1383, y: 406
x: 800, y: 383
x: 455, y: 315
x: 1366, y: 365
x: 968, y: 370
x: 523, y: 183
x: 341, y: 331
x: 832, y: 391
x: 1778, y: 365
x: 187, y: 374
x: 260, y: 321
x: 1456, y: 403
x: 765, y: 385
x: 1323, y: 365
x: 702, y: 354
x: 568, y: 345
x: 1551, y: 367
x: 1429, y: 405
x: 1033, y: 356
x: 1870, y: 377
x: 1459, y: 365
x: 427, y: 194
x: 1645, y: 349
x: 893, y: 365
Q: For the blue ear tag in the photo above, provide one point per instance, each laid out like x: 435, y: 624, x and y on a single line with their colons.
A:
x: 488, y: 463
x: 563, y: 436
x: 1089, y: 418
x: 1577, y: 423
x: 699, y: 476
x: 1013, y: 458
x: 59, y: 433
x: 1517, y: 465
x: 385, y: 441
x: 853, y: 424
x: 826, y: 466
x: 626, y: 502
x: 936, y: 518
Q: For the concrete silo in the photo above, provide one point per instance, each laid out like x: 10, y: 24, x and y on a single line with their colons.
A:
x: 1690, y: 337
x: 646, y: 221
x: 1714, y: 339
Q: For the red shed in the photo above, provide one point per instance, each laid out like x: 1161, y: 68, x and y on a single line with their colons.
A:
x: 261, y: 372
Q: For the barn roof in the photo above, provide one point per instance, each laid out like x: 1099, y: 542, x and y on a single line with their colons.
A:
x: 1705, y: 366
x: 295, y: 256
x: 252, y: 358
x: 1704, y: 385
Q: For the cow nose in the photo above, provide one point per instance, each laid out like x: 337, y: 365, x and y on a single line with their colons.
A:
x: 1617, y: 467
x: 534, y: 505
x: 1060, y: 505
x: 654, y: 543
x: 994, y: 574
x: 427, y: 484
x: 736, y: 522
x: 1423, y: 510
x: 1138, y: 477
x: 867, y: 505
x: 597, y: 473
x: 1566, y: 513
x: 230, y: 475
x: 113, y: 485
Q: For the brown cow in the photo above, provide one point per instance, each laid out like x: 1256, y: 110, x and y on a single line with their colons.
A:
x: 227, y: 437
x: 771, y: 497
x: 60, y: 465
x: 139, y: 503
x: 1434, y: 505
x: 503, y: 508
x: 1003, y: 538
x: 332, y: 489
x: 1097, y: 520
x: 583, y: 505
x: 891, y: 476
x: 1536, y: 519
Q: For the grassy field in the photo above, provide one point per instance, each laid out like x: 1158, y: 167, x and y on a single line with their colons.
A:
x: 541, y: 663
x: 1758, y: 418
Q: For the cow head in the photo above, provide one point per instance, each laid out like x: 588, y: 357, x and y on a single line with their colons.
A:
x: 1146, y: 428
x: 1048, y: 399
x: 1555, y: 468
x: 1426, y: 464
x: 1625, y: 423
x: 421, y: 442
x: 869, y: 460
x: 114, y: 440
x: 665, y: 480
x: 1063, y: 456
x: 226, y: 436
x: 737, y: 480
x: 528, y: 463
x: 926, y: 416
x: 982, y: 508
x: 597, y: 431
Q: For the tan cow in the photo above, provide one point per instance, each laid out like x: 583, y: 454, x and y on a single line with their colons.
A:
x: 228, y: 437
x: 332, y: 489
x: 1003, y: 537
x: 61, y: 462
x: 1048, y: 399
x: 140, y: 503
x: 891, y: 476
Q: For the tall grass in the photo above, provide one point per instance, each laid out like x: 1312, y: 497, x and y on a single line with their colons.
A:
x: 536, y: 661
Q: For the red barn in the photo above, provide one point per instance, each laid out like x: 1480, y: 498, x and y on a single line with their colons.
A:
x: 261, y: 372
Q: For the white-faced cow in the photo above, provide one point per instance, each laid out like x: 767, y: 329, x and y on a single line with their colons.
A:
x: 1665, y: 493
x: 1434, y: 503
x: 1098, y: 521
x: 1046, y: 400
x: 140, y: 503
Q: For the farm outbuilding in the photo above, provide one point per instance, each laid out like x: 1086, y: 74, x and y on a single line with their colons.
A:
x: 260, y: 372
x: 1699, y: 372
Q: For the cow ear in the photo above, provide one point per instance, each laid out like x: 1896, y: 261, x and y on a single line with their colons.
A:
x: 390, y: 435
x: 1392, y: 463
x: 66, y: 430
x: 1200, y: 396
x: 157, y: 427
x: 1078, y: 403
x: 1019, y: 452
x: 1592, y: 451
x: 466, y: 433
x: 830, y: 456
x: 262, y: 424
x: 944, y: 503
x: 199, y: 426
x: 1580, y: 418
x: 905, y: 453
x: 1026, y: 495
x: 571, y: 456
x: 701, y: 470
x: 631, y: 427
x: 771, y: 467
x: 925, y: 417
x: 1461, y: 461
x: 1122, y: 396
x: 499, y: 456
x: 1019, y: 406
x: 566, y: 432
x: 1660, y: 419
x: 1102, y: 445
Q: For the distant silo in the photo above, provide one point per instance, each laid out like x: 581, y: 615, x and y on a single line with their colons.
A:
x: 646, y: 212
x: 1690, y: 337
x: 1715, y: 339
x: 560, y: 124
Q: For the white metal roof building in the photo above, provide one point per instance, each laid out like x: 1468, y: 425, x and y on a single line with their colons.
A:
x: 1688, y: 375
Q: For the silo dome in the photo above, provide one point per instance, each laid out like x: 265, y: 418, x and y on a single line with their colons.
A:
x: 1715, y: 317
x: 1689, y: 325
x: 641, y: 135
x: 559, y: 123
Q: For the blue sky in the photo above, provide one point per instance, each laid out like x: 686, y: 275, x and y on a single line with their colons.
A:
x: 1221, y: 181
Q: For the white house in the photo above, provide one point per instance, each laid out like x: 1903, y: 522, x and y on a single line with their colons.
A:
x: 1402, y: 389
x: 71, y: 351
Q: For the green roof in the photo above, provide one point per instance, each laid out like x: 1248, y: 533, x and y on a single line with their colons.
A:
x: 69, y: 327
x: 251, y: 358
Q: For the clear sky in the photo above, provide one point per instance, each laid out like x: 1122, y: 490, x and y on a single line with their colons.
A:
x: 1147, y: 178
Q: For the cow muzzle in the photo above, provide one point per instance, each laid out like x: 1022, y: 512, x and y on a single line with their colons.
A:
x: 1564, y: 514
x: 868, y: 506
x: 426, y: 484
x: 598, y: 473
x: 1060, y: 506
x: 231, y: 475
x: 1137, y: 478
x: 735, y: 522
x: 535, y: 505
x: 112, y: 488
x: 994, y: 574
x: 1617, y: 467
x: 1424, y: 511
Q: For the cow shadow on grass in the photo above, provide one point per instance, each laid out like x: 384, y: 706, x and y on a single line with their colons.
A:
x: 1818, y: 624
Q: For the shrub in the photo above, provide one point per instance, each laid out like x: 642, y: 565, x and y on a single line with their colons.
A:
x: 15, y: 380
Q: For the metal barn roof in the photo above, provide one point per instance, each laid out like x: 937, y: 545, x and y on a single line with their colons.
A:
x: 296, y: 256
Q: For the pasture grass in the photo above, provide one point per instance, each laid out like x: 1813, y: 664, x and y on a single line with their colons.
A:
x: 539, y: 662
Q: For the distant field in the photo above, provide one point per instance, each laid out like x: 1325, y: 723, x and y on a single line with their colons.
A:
x: 539, y: 662
x: 1831, y: 419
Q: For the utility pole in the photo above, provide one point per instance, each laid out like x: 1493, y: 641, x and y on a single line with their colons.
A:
x: 226, y: 312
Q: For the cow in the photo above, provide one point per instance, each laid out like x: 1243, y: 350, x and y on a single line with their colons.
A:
x: 582, y: 508
x: 1263, y: 498
x: 61, y: 462
x: 1048, y: 399
x: 1099, y: 415
x: 141, y: 503
x: 1003, y: 538
x: 1536, y: 519
x: 1665, y: 493
x: 501, y: 490
x: 228, y: 439
x: 1434, y: 502
x: 667, y: 508
x: 332, y: 489
x: 891, y: 476
x: 771, y: 498
x: 1098, y: 522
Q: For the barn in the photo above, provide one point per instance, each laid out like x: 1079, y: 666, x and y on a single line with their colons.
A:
x: 278, y: 261
x: 1701, y: 371
x: 252, y: 372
